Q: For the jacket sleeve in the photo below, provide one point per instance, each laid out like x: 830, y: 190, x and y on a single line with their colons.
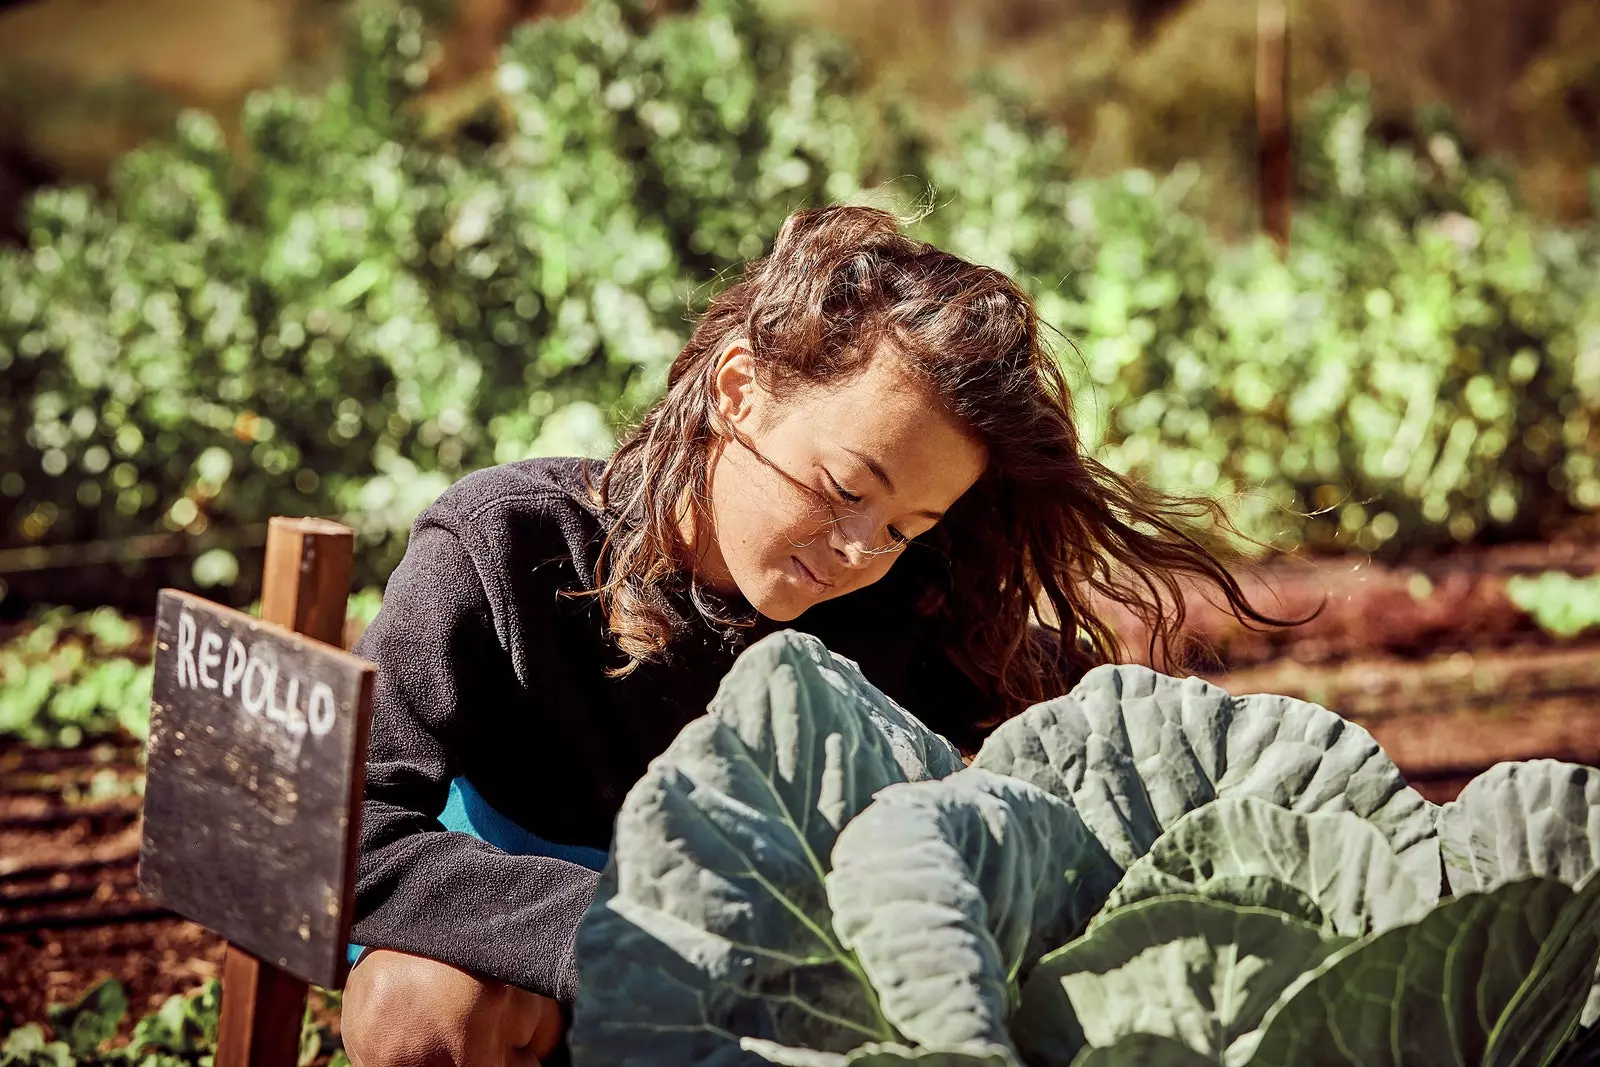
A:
x: 420, y: 888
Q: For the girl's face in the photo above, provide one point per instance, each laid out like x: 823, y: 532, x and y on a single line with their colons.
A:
x: 833, y: 482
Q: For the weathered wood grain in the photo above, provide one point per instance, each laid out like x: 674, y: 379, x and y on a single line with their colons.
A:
x: 256, y: 741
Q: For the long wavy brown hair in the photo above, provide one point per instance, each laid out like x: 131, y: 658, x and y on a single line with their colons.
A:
x: 1044, y: 531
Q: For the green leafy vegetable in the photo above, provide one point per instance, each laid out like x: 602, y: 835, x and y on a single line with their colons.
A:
x: 1144, y: 871
x: 1540, y: 818
x: 1562, y: 604
x: 1471, y: 983
x: 359, y: 297
x: 181, y: 1033
x: 67, y: 677
x: 1134, y: 751
x: 1143, y: 1050
x: 875, y: 1055
x: 712, y: 922
x: 26, y: 1047
x: 1248, y: 851
x: 1198, y: 971
x: 183, y: 1026
x: 90, y: 1022
x: 976, y: 868
x: 1584, y: 1050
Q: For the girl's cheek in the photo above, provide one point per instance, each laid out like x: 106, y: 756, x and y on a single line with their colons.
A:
x: 808, y: 518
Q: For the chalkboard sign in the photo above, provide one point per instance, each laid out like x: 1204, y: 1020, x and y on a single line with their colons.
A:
x: 257, y: 740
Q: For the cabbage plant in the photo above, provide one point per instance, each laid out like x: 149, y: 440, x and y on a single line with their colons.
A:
x: 1146, y: 870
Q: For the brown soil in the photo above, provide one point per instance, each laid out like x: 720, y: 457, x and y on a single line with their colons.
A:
x: 1433, y: 659
x: 70, y: 909
x: 1362, y: 608
x: 153, y: 959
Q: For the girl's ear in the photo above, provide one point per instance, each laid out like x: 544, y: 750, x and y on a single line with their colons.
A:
x: 733, y: 383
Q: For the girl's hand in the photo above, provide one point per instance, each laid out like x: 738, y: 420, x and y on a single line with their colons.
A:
x: 409, y: 1011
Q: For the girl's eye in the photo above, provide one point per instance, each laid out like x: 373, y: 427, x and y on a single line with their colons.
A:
x: 844, y: 493
x: 896, y: 537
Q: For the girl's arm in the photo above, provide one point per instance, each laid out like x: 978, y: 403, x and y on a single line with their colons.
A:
x: 422, y: 889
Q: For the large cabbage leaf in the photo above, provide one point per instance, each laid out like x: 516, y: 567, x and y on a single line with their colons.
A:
x: 711, y: 920
x: 1540, y: 817
x: 1551, y: 1003
x: 879, y: 1055
x: 1584, y: 1050
x: 948, y: 890
x: 1201, y: 972
x: 1134, y: 750
x: 1249, y: 851
x: 1478, y: 981
x: 1144, y: 1050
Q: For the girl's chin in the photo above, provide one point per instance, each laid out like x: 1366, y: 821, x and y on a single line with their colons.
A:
x: 780, y: 593
x: 783, y: 605
x: 782, y: 599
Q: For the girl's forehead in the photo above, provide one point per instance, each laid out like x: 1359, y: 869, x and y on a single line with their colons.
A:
x: 885, y: 400
x: 886, y: 374
x: 891, y: 428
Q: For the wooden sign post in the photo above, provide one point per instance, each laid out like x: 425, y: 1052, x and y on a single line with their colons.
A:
x: 258, y: 737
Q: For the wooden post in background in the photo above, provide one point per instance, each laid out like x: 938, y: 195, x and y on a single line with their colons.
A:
x: 1274, y: 148
x: 305, y: 587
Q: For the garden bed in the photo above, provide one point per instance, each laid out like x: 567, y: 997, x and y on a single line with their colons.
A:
x: 1445, y: 670
x: 70, y: 910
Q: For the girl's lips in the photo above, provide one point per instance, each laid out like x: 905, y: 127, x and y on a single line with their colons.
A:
x: 817, y: 584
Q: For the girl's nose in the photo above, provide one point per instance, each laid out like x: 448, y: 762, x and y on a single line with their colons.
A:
x: 851, y: 538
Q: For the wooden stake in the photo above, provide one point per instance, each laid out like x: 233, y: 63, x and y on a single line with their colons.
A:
x: 262, y: 1009
x: 305, y: 583
x: 1275, y: 157
x: 305, y: 587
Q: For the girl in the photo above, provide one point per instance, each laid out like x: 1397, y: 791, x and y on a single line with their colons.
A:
x: 865, y: 439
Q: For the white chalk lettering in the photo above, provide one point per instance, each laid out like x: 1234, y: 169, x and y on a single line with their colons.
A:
x: 233, y: 670
x: 249, y: 673
x: 210, y: 656
x: 274, y: 712
x: 290, y: 714
x: 319, y: 713
x: 269, y: 681
x: 186, y: 651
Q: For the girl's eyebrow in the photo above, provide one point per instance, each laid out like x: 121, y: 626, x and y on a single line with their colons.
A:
x: 883, y: 476
x: 875, y: 467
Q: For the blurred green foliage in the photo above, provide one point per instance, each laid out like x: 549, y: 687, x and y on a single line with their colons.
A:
x: 66, y: 677
x: 361, y: 307
x: 356, y: 314
x: 1564, y: 605
x: 1422, y: 368
x: 181, y: 1033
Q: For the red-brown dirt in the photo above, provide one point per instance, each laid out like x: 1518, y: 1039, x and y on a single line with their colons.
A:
x: 70, y: 910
